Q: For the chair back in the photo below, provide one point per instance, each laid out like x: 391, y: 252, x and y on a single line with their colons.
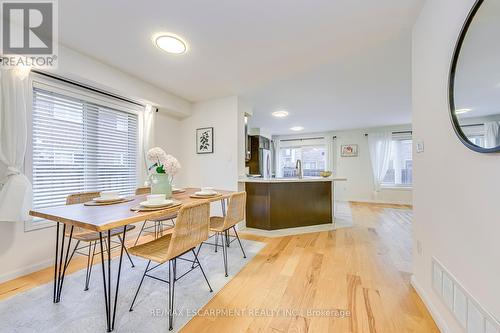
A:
x: 79, y: 198
x: 143, y: 190
x: 235, y: 210
x: 191, y: 228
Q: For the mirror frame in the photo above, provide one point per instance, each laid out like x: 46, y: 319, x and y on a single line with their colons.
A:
x: 451, y: 84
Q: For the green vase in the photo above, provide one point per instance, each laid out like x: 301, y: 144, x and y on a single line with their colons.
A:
x: 160, y: 184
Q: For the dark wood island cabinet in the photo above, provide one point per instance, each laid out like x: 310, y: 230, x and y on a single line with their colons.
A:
x: 288, y: 203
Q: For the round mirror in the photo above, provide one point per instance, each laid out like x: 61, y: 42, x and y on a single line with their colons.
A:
x: 475, y: 79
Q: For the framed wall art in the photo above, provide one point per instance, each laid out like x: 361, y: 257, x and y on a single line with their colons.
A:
x: 205, y: 140
x: 349, y: 150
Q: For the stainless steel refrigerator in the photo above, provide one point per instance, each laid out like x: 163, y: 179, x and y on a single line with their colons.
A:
x: 265, y: 162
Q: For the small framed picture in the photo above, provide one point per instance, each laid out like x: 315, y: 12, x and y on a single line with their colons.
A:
x: 205, y: 140
x: 349, y: 150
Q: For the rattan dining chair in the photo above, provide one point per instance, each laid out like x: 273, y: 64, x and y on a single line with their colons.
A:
x: 91, y: 238
x: 158, y: 225
x: 190, y: 230
x: 221, y: 225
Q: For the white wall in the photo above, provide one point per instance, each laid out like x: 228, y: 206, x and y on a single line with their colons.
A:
x: 81, y: 68
x: 262, y: 131
x: 456, y: 190
x: 167, y: 134
x: 243, y: 109
x: 358, y: 171
x: 23, y: 253
x: 219, y: 169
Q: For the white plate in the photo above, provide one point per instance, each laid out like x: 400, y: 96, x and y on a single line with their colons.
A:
x: 100, y: 199
x: 206, y: 194
x: 178, y: 190
x: 166, y: 202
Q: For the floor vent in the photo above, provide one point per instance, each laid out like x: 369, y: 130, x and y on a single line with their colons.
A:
x: 472, y: 316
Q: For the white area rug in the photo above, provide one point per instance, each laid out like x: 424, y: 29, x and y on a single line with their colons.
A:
x: 343, y: 219
x: 83, y: 311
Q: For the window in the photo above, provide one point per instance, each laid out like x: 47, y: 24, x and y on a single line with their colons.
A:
x: 80, y: 145
x: 475, y: 134
x: 400, y: 171
x: 313, y: 160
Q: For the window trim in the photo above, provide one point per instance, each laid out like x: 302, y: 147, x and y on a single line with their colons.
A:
x: 388, y: 186
x: 291, y: 144
x: 39, y: 81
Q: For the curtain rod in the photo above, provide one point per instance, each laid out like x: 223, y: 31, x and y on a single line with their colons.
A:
x: 400, y: 132
x: 303, y: 139
x: 84, y: 86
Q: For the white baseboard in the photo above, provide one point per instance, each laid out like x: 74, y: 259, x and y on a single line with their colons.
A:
x: 289, y: 231
x: 49, y: 262
x: 440, y: 322
x: 26, y: 270
x: 382, y: 202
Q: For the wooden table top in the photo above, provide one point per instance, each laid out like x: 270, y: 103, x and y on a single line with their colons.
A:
x: 102, y: 218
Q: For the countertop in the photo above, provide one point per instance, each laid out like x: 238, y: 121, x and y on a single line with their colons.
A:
x: 291, y: 180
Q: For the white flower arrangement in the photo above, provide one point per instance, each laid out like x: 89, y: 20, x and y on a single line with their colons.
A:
x: 171, y: 165
x: 163, y: 163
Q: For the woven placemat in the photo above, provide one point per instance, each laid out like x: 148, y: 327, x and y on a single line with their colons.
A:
x: 140, y: 208
x: 205, y: 196
x: 105, y: 203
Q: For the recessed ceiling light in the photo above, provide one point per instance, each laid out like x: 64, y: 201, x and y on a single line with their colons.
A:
x: 297, y: 128
x: 280, y: 114
x: 462, y: 111
x: 170, y: 43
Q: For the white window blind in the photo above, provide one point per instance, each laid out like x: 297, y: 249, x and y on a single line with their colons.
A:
x: 80, y: 146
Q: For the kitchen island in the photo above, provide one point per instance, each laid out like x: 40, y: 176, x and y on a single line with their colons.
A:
x: 280, y: 203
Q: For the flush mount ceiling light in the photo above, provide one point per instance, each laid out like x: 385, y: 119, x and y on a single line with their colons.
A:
x: 280, y: 114
x: 297, y: 128
x: 170, y: 43
x: 462, y: 111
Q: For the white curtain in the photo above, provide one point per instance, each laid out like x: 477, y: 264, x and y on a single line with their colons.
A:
x: 492, y: 134
x: 16, y: 192
x: 380, y: 145
x: 147, y: 137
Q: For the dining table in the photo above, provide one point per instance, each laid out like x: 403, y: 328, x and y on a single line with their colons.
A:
x: 101, y: 219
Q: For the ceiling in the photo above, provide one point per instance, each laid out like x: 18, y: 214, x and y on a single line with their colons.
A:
x: 361, y: 90
x: 333, y: 64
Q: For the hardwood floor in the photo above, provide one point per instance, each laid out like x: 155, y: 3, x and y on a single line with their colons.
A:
x: 363, y: 272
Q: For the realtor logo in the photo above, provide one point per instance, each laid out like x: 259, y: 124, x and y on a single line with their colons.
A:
x: 29, y: 32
